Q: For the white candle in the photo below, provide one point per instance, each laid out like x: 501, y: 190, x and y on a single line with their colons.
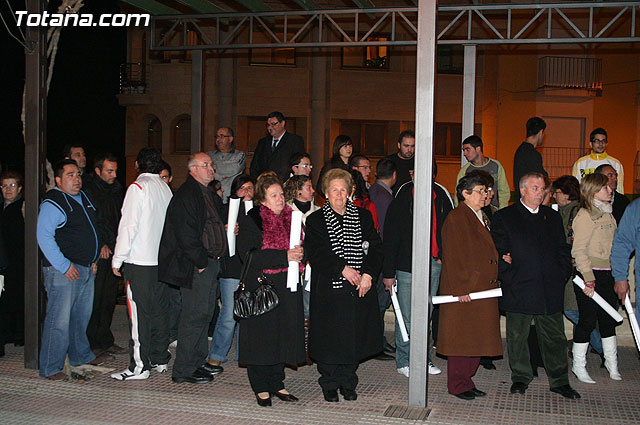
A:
x: 399, y: 318
x: 632, y: 320
x: 599, y: 300
x: 247, y: 206
x: 234, y: 206
x: 490, y: 293
x: 293, y: 275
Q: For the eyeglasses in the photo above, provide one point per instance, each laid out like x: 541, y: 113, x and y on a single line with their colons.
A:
x: 309, y: 166
x: 8, y: 185
x: 481, y: 191
x: 599, y: 141
x: 204, y: 165
x: 273, y: 124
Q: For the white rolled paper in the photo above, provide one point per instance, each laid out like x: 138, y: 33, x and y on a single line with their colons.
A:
x: 399, y: 318
x: 293, y: 275
x: 633, y: 321
x: 490, y: 293
x: 247, y: 206
x: 307, y: 277
x: 232, y: 219
x: 599, y: 300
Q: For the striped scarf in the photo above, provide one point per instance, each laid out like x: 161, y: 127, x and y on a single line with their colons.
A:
x: 346, y: 238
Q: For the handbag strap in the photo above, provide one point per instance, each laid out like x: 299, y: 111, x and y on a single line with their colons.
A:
x: 245, y: 266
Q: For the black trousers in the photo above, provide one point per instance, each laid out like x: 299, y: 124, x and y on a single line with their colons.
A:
x: 195, y: 315
x: 334, y: 376
x: 148, y: 304
x: 591, y: 313
x: 12, y: 309
x: 104, y: 303
x: 266, y: 378
x: 384, y: 301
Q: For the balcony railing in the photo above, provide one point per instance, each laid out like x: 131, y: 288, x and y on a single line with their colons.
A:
x: 570, y: 73
x: 558, y: 161
x: 133, y: 78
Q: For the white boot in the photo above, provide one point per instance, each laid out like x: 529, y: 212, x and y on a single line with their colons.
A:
x: 580, y: 362
x: 610, y: 349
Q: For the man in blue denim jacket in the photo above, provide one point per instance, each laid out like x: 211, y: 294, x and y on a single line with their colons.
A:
x: 625, y: 241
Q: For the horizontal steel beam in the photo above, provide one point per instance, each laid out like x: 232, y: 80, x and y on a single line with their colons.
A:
x: 460, y: 25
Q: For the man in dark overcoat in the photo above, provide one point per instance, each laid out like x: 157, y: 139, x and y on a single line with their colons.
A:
x: 533, y: 284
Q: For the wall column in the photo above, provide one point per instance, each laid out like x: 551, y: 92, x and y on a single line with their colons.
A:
x: 197, y: 96
x: 468, y: 93
x: 315, y: 145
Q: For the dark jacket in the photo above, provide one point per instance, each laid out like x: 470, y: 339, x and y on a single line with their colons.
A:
x: 620, y: 203
x: 107, y: 199
x: 344, y: 327
x: 181, y: 249
x: 278, y: 161
x: 541, y: 259
x: 12, y: 230
x: 526, y: 160
x: 403, y: 166
x: 398, y: 230
x: 276, y: 336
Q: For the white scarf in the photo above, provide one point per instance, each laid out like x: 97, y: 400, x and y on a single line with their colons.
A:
x: 605, y: 207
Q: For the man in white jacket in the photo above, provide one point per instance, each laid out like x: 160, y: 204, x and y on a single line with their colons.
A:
x: 136, y: 253
x: 598, y: 156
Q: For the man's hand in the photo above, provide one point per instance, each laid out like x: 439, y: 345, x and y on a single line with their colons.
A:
x: 389, y: 283
x: 621, y: 288
x: 351, y: 275
x: 364, y: 285
x: 72, y: 274
x: 295, y: 253
x: 201, y: 270
x: 507, y: 258
x: 94, y: 267
x: 236, y: 229
x: 464, y: 298
x: 105, y: 252
x: 116, y: 272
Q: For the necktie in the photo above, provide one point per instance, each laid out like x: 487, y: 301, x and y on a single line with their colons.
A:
x: 274, y: 145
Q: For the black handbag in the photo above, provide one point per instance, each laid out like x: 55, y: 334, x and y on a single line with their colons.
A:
x: 247, y: 304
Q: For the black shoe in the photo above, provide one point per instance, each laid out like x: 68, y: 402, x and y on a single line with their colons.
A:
x: 476, y: 392
x: 211, y: 369
x: 264, y: 402
x: 384, y: 356
x: 284, y: 396
x: 519, y: 388
x: 535, y: 371
x: 467, y: 395
x: 331, y: 396
x: 388, y: 347
x: 566, y: 391
x: 197, y: 377
x: 349, y: 395
x: 487, y: 364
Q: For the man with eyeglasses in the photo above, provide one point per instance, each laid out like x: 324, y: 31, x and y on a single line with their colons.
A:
x: 273, y: 152
x: 300, y: 164
x: 193, y: 240
x: 598, y: 156
x: 227, y: 161
x: 136, y: 257
x: 361, y: 164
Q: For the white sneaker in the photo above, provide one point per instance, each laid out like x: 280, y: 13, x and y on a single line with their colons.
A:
x: 404, y: 371
x: 127, y: 375
x: 174, y: 344
x: 160, y: 368
x: 433, y: 369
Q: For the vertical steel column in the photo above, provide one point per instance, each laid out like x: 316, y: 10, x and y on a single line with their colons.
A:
x: 420, y: 269
x: 315, y: 146
x: 35, y: 148
x: 225, y: 90
x: 468, y: 93
x: 197, y: 94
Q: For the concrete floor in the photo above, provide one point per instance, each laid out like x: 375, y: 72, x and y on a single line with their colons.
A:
x: 27, y: 399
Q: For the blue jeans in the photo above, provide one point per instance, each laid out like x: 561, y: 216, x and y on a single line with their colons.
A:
x: 594, y: 338
x: 226, y: 324
x: 69, y: 309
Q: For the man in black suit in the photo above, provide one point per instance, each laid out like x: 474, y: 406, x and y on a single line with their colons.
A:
x: 273, y: 152
x: 533, y: 280
x: 527, y: 159
x: 619, y: 201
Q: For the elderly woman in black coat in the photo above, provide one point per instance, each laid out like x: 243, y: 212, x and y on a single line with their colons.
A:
x: 345, y: 252
x: 276, y: 338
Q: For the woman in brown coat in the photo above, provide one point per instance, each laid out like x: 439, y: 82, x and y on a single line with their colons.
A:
x: 468, y: 329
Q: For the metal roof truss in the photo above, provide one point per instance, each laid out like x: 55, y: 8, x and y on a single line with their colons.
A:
x: 461, y: 24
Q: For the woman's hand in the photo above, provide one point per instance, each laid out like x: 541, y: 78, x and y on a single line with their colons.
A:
x: 589, y: 288
x: 295, y: 253
x: 364, y: 286
x: 464, y: 298
x: 507, y: 258
x: 351, y: 275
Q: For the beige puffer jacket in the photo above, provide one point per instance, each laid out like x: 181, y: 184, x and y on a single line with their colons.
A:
x: 592, y: 239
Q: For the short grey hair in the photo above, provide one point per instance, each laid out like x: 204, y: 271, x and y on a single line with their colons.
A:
x: 525, y: 179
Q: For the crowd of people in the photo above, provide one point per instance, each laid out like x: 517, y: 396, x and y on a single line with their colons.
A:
x: 172, y: 250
